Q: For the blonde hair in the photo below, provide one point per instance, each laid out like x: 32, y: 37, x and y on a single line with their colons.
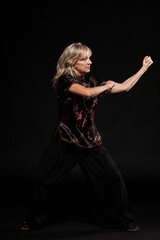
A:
x: 69, y: 57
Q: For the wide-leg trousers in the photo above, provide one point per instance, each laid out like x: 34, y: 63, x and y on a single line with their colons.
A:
x: 97, y: 166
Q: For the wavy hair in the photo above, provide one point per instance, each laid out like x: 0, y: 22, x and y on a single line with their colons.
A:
x: 67, y: 60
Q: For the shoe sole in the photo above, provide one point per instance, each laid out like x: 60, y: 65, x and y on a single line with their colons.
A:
x: 133, y: 230
x: 25, y: 229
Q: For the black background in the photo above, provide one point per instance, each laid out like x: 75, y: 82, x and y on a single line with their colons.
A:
x: 120, y: 36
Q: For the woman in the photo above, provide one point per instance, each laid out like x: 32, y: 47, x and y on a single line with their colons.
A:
x: 77, y: 140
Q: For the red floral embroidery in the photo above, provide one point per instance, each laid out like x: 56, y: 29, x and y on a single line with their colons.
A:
x: 76, y: 114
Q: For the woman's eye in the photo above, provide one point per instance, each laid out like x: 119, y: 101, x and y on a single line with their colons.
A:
x: 83, y: 59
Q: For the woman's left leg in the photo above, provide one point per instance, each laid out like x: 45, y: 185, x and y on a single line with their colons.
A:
x: 106, y: 180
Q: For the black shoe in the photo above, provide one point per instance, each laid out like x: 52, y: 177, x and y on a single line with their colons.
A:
x: 131, y: 227
x: 28, y: 227
x: 25, y: 226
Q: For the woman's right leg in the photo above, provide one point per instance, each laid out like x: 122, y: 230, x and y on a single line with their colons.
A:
x: 54, y: 166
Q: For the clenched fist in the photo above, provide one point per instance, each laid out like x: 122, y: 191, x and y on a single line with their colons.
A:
x: 147, y: 62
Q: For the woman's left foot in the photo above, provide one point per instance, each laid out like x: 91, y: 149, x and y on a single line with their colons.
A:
x: 131, y: 227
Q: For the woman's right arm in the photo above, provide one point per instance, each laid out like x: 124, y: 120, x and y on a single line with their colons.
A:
x: 90, y: 92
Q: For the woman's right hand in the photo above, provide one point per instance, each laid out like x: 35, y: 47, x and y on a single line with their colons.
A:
x: 147, y: 62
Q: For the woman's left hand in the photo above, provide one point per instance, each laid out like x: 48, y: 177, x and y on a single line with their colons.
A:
x: 110, y: 84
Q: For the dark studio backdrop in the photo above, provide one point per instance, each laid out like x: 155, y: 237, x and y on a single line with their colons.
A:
x: 120, y: 35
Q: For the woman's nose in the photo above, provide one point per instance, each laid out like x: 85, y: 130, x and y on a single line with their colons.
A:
x: 89, y: 62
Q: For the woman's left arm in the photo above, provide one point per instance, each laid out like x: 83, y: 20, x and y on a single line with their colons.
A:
x: 130, y: 82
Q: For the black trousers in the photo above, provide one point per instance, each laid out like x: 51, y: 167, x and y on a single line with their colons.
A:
x: 99, y: 169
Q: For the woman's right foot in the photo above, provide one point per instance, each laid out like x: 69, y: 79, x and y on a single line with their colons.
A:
x: 28, y: 227
x: 25, y: 226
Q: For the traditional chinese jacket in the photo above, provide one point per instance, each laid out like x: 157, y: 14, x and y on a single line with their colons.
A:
x: 76, y: 113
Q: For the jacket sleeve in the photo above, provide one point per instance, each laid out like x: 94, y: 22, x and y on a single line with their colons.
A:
x: 67, y: 83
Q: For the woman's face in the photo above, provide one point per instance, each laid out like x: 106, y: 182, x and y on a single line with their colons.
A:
x: 83, y: 64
